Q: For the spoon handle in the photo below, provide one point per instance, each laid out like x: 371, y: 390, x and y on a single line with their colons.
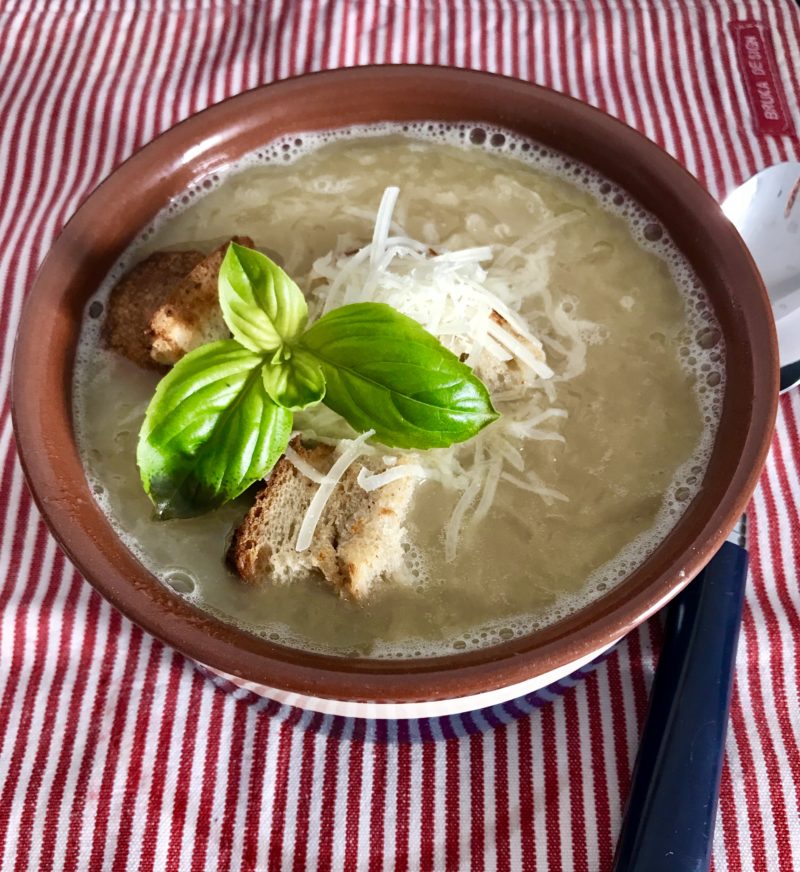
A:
x: 672, y: 805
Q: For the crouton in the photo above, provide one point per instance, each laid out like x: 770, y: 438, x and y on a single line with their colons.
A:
x: 358, y: 539
x: 137, y: 296
x: 191, y: 316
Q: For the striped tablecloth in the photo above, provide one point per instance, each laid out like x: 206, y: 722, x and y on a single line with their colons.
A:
x: 115, y: 753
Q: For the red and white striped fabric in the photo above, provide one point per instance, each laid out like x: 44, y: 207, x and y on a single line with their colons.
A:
x: 115, y: 753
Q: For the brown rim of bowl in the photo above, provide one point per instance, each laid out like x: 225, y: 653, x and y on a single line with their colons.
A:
x: 130, y: 198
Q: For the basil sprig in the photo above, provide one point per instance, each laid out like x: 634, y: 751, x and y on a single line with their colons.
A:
x: 222, y: 417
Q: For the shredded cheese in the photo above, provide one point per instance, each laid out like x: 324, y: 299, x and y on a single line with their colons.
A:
x: 303, y: 466
x: 350, y: 453
x: 456, y: 291
x: 372, y: 481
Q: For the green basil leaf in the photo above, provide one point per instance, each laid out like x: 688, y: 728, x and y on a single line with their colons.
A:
x: 262, y: 306
x: 296, y: 383
x: 383, y: 371
x: 210, y: 431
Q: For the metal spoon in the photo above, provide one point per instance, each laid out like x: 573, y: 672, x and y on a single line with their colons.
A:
x: 672, y: 804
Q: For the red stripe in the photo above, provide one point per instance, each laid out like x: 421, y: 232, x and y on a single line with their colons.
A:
x: 403, y: 797
x: 427, y: 799
x: 377, y: 798
x: 601, y: 796
x: 453, y: 797
x: 354, y: 793
x: 329, y: 793
x: 575, y: 762
x: 620, y: 727
x: 727, y: 813
x: 209, y: 783
x: 526, y: 805
x: 750, y: 784
x: 280, y: 789
x: 305, y: 793
x: 232, y: 789
x: 477, y: 776
x: 551, y: 787
x: 777, y: 799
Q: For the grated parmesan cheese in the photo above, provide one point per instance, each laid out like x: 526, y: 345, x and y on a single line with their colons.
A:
x: 486, y: 303
x: 351, y: 450
x: 372, y: 481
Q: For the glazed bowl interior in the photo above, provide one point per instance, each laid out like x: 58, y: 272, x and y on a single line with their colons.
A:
x: 117, y: 211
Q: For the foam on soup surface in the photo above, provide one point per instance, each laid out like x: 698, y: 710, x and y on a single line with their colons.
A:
x: 628, y: 331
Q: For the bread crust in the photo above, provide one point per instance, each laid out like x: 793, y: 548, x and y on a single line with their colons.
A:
x: 190, y: 315
x: 137, y: 296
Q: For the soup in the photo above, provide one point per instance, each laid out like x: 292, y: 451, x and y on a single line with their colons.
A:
x: 607, y: 455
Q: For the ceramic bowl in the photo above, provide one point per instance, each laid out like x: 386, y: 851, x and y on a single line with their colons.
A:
x: 132, y: 196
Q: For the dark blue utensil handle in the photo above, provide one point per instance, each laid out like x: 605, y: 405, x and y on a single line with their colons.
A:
x: 669, y: 821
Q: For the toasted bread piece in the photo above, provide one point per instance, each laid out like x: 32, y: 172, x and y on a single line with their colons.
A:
x: 358, y: 539
x: 191, y: 316
x: 137, y: 296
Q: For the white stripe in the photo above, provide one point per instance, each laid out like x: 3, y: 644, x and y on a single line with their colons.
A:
x: 741, y: 801
x: 553, y: 53
x: 746, y: 653
x: 439, y: 795
x: 587, y: 775
x: 389, y: 815
x: 381, y: 50
x: 415, y: 788
x: 606, y: 726
x: 514, y: 776
x: 317, y: 799
x: 489, y: 744
x: 604, y: 61
x: 290, y: 834
x: 565, y: 787
x: 369, y: 19
x: 538, y: 752
x: 248, y: 750
x: 489, y: 34
x: 334, y: 38
x: 634, y: 82
x: 287, y: 35
x: 461, y: 34
x: 344, y: 754
x: 366, y: 798
x: 769, y: 716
